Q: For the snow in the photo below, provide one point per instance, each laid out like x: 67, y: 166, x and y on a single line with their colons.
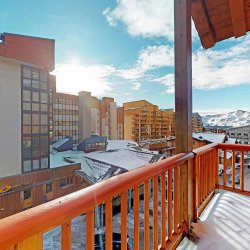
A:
x: 225, y: 224
x: 119, y: 144
x: 125, y: 158
x: 97, y: 164
x: 236, y: 119
x: 60, y: 142
x: 210, y: 137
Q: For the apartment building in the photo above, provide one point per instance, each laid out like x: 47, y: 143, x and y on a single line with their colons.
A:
x: 83, y: 115
x: 120, y: 123
x: 197, y: 123
x: 145, y: 121
x: 142, y: 121
x: 168, y: 117
x: 66, y: 116
x: 242, y: 134
x: 26, y: 110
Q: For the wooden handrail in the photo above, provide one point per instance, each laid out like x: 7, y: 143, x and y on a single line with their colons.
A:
x: 42, y: 218
x: 204, y: 149
x: 237, y: 147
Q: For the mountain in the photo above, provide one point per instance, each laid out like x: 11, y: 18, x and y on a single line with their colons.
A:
x: 236, y: 119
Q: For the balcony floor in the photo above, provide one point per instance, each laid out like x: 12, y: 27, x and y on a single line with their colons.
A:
x: 224, y: 224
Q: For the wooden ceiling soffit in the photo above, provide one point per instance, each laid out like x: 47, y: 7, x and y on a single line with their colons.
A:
x: 202, y: 24
x: 238, y: 17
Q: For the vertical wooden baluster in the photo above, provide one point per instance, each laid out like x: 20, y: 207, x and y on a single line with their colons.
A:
x: 163, y: 210
x: 180, y: 194
x: 195, y: 189
x: 242, y: 172
x: 155, y: 213
x: 136, y: 219
x: 66, y: 236
x: 206, y: 174
x: 202, y: 177
x: 170, y: 205
x: 225, y: 168
x: 233, y: 169
x: 146, y: 215
x: 198, y: 187
x: 108, y: 225
x: 124, y: 221
x: 90, y: 230
x: 176, y: 203
x: 217, y: 167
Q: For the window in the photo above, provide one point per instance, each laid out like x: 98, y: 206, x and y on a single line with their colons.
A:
x: 66, y: 181
x: 27, y: 194
x: 35, y: 118
x: 27, y: 166
x: 26, y: 95
x: 49, y: 188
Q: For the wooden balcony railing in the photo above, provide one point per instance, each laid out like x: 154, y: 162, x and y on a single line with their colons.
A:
x: 179, y: 187
x: 25, y: 230
x: 205, y: 177
x: 236, y: 164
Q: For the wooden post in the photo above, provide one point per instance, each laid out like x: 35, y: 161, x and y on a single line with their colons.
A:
x: 183, y: 96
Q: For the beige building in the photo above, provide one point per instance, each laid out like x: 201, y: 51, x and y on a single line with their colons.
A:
x: 144, y: 121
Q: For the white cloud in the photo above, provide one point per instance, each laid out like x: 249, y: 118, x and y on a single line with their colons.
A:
x: 136, y: 86
x: 168, y: 81
x: 156, y: 57
x: 147, y: 18
x: 149, y: 58
x: 214, y: 69
x: 73, y: 78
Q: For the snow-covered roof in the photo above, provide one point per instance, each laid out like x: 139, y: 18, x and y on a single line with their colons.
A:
x: 119, y: 144
x: 124, y: 158
x: 210, y: 137
x: 103, y: 164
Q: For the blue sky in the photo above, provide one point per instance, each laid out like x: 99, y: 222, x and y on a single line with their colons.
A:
x: 124, y: 49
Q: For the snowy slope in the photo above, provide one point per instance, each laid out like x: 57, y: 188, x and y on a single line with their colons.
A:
x: 236, y: 119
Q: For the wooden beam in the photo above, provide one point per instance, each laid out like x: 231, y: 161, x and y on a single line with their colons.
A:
x: 202, y: 24
x: 183, y: 76
x: 238, y: 17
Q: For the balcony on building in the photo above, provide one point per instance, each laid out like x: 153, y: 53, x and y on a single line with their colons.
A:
x: 202, y: 193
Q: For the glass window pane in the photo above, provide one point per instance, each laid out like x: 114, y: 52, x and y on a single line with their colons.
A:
x: 35, y: 141
x: 26, y: 129
x: 35, y: 84
x: 35, y: 119
x: 44, y: 98
x: 35, y: 129
x: 26, y: 119
x: 35, y: 106
x: 44, y: 129
x: 35, y: 96
x: 26, y: 95
x: 43, y: 85
x: 26, y: 106
x: 35, y: 153
x: 44, y: 141
x: 44, y: 163
x: 43, y: 76
x: 44, y: 119
x: 27, y: 83
x: 36, y: 164
x: 27, y: 166
x: 26, y: 141
x: 26, y: 72
x: 27, y: 153
x: 44, y: 107
x: 35, y: 74
x: 44, y: 151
